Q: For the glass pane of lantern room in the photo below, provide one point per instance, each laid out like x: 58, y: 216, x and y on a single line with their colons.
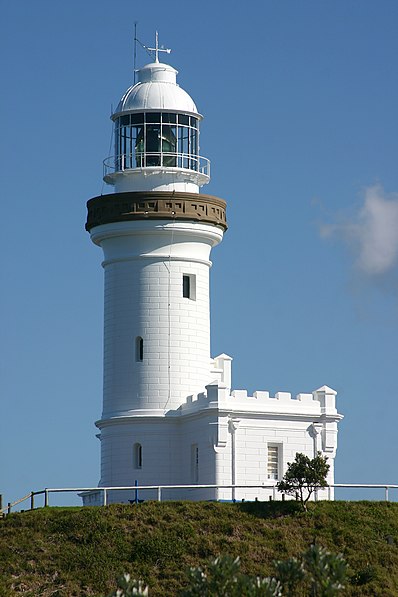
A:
x: 139, y: 146
x: 169, y: 145
x: 129, y: 147
x: 118, y: 149
x: 153, y: 145
x: 183, y: 145
x: 137, y: 118
x: 123, y: 146
x: 134, y: 146
x: 152, y: 117
x: 168, y: 117
x: 193, y: 142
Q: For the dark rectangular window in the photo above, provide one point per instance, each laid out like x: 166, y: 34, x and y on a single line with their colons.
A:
x: 139, y: 349
x: 137, y: 119
x: 167, y: 117
x: 137, y: 456
x: 153, y: 117
x: 186, y: 287
x: 189, y: 286
x: 195, y: 463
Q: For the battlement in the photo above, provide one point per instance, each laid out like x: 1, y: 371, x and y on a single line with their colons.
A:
x: 320, y: 401
x: 218, y: 394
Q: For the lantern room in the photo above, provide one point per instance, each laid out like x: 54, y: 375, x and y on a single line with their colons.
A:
x: 156, y: 136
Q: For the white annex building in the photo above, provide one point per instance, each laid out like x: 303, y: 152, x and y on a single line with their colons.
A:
x: 169, y: 414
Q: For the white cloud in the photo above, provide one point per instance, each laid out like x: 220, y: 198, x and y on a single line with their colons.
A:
x: 372, y: 232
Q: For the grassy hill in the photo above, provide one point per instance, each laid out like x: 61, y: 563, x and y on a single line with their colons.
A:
x: 66, y: 552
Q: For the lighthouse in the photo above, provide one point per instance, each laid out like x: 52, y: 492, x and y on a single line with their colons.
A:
x: 169, y: 416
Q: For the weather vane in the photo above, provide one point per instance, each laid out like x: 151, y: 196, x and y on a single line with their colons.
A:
x: 156, y: 49
x: 150, y: 51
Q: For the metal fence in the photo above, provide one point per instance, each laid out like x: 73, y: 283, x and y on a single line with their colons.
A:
x: 161, y: 489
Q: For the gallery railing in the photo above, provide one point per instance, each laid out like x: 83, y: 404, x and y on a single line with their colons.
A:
x: 123, y: 162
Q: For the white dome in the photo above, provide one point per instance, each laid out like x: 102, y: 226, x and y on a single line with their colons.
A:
x: 156, y: 89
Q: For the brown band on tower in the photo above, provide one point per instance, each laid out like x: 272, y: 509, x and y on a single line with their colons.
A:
x: 159, y: 205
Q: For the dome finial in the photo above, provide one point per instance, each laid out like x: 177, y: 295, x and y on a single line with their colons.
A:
x: 156, y: 49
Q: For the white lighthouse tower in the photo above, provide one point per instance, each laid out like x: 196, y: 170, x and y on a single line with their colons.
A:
x: 169, y: 416
x: 156, y: 233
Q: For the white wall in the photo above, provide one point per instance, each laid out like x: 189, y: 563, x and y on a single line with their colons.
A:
x: 210, y: 422
x: 252, y: 437
x: 144, y: 265
x: 161, y: 461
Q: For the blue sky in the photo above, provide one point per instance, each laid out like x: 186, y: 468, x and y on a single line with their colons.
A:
x: 300, y: 103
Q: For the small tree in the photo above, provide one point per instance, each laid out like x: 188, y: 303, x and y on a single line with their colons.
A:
x: 304, y: 476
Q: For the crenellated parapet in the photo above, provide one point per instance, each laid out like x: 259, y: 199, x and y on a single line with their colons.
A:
x: 319, y: 402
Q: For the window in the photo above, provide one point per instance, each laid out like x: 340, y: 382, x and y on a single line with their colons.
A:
x: 137, y: 456
x: 156, y: 139
x: 186, y: 287
x: 195, y: 463
x: 189, y: 286
x: 273, y: 462
x: 139, y: 349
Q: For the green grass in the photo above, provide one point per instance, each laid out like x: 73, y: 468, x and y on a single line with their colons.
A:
x: 67, y: 552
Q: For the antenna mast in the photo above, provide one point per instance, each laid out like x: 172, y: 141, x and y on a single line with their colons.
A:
x: 135, y: 51
x: 148, y: 50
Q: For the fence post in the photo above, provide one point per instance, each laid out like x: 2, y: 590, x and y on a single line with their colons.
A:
x: 9, y: 508
x: 274, y: 492
x: 105, y: 500
x: 32, y: 500
x: 329, y: 492
x: 159, y: 494
x: 46, y: 498
x: 386, y: 493
x: 1, y: 501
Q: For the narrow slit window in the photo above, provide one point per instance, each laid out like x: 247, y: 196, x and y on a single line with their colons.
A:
x: 139, y: 349
x: 189, y: 286
x: 186, y: 287
x: 137, y: 456
x: 195, y: 463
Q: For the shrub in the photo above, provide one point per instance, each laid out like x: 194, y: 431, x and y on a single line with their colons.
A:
x: 304, y: 476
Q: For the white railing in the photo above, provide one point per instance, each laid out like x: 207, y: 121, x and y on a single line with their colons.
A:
x: 136, y: 161
x: 160, y: 489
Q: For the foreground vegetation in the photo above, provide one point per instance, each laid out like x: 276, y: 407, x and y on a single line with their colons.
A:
x: 67, y: 552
